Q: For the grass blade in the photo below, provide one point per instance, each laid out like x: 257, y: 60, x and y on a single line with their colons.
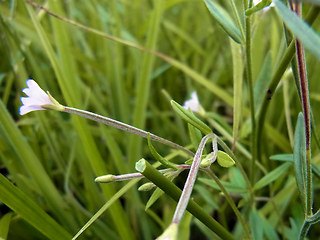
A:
x: 30, y: 211
x: 272, y: 176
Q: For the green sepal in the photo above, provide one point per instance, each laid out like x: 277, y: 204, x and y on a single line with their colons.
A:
x: 189, y: 117
x: 224, y: 159
x: 158, y: 157
x: 55, y: 106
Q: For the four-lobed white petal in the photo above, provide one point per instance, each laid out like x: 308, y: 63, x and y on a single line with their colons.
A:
x: 193, y: 104
x: 36, y: 98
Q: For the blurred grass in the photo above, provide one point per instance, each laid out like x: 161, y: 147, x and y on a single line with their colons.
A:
x: 53, y: 158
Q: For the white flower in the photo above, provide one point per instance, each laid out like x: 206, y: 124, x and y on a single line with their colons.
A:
x: 193, y: 103
x: 36, y: 99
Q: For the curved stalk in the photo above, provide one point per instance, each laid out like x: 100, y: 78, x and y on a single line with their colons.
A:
x: 124, y: 127
x: 188, y: 186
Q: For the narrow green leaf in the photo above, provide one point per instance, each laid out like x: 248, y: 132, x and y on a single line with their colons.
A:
x: 190, y: 117
x: 107, y: 205
x: 261, y: 87
x: 299, y: 157
x: 177, y: 30
x: 205, y: 82
x: 223, y: 18
x: 33, y: 165
x: 205, y: 193
x: 30, y: 211
x: 154, y: 197
x: 158, y: 157
x: 294, y: 231
x: 282, y: 157
x: 315, y: 170
x: 256, y: 225
x: 72, y: 98
x: 261, y: 5
x: 4, y: 225
x: 306, y: 34
x: 289, y: 158
x: 237, y: 62
x: 269, y: 231
x: 237, y: 178
x: 230, y: 187
x: 272, y: 176
x: 143, y: 85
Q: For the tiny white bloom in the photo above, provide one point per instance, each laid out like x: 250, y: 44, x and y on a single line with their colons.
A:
x: 193, y: 103
x: 35, y: 100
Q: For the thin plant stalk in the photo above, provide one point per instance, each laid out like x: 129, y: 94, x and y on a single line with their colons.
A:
x: 174, y: 192
x: 124, y: 127
x: 231, y: 203
x: 188, y: 186
x: 306, y: 112
x: 251, y: 93
x: 238, y: 163
x: 282, y: 66
x: 114, y: 178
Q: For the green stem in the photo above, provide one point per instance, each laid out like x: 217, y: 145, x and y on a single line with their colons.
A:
x: 309, y: 184
x: 305, y: 229
x: 239, y: 166
x: 231, y: 203
x: 124, y: 127
x: 251, y: 96
x: 174, y: 192
x: 315, y: 218
x: 225, y: 134
x: 306, y: 112
x: 282, y: 66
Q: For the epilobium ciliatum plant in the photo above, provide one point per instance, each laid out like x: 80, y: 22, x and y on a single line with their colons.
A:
x: 234, y: 164
x: 39, y: 100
